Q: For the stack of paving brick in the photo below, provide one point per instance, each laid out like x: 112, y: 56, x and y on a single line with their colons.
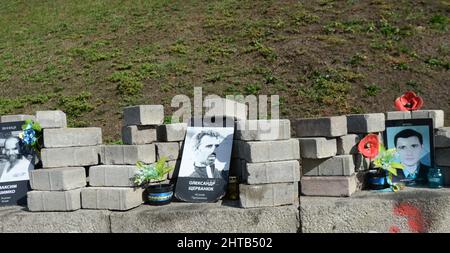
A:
x: 66, y: 152
x: 111, y: 184
x: 265, y: 159
x: 329, y: 155
x: 170, y: 144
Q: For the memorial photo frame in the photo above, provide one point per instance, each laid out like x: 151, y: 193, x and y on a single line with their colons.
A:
x: 413, y: 140
x: 205, y: 164
x: 16, y: 161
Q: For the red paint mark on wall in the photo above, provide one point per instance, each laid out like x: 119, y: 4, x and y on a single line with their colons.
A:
x: 415, y: 218
x: 394, y: 230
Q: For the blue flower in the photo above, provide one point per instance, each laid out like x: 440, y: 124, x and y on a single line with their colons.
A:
x: 29, y: 136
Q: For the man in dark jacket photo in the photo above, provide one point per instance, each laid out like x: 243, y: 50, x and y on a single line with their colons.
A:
x: 409, y: 145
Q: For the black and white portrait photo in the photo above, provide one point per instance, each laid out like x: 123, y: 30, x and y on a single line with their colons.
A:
x: 207, y: 153
x: 16, y: 161
x: 205, y: 164
x: 15, y: 165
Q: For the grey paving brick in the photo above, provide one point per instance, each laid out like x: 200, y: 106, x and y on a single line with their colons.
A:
x: 398, y: 115
x: 70, y: 157
x: 58, y: 179
x: 172, y: 132
x: 320, y: 127
x: 366, y: 123
x: 39, y: 201
x: 333, y: 186
x: 267, y: 195
x: 72, y: 137
x: 436, y: 115
x: 143, y: 115
x: 112, y: 175
x: 269, y: 151
x: 317, y: 147
x: 263, y: 130
x: 442, y: 157
x: 348, y: 144
x: 271, y: 172
x: 170, y: 150
x: 111, y: 198
x: 442, y: 137
x: 51, y: 119
x: 138, y: 135
x: 335, y: 166
x: 127, y: 154
x: 18, y: 117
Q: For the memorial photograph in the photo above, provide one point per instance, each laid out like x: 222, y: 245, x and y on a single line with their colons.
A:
x: 414, y: 144
x: 16, y: 161
x: 207, y: 153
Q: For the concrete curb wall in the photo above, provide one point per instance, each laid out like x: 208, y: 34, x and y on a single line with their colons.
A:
x: 407, y: 211
x: 173, y: 218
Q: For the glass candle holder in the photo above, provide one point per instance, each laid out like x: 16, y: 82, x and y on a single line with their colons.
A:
x: 435, y: 178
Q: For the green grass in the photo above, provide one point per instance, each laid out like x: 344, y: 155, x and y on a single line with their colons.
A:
x: 372, y: 90
x: 439, y: 22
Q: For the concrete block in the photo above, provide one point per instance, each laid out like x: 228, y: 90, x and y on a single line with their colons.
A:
x: 172, y: 132
x: 17, y: 219
x: 269, y: 151
x: 39, y: 201
x: 72, y: 137
x: 442, y: 157
x: 361, y: 163
x: 127, y: 154
x: 221, y: 107
x: 337, y: 186
x: 271, y: 172
x: 427, y: 210
x: 170, y: 150
x: 51, y: 119
x: 180, y: 217
x: 436, y: 115
x: 348, y: 144
x: 398, y: 115
x: 316, y: 148
x: 111, y: 198
x: 138, y: 135
x: 58, y: 179
x: 442, y: 138
x: 267, y: 195
x: 341, y: 165
x: 263, y: 130
x: 112, y: 175
x: 143, y: 115
x: 174, y: 164
x: 18, y: 117
x: 70, y: 157
x: 321, y: 127
x: 366, y: 123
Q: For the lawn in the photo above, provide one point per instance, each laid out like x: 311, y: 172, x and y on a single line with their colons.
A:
x: 324, y: 57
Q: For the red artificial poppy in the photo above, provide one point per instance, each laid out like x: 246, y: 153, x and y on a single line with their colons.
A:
x: 409, y: 102
x: 369, y: 146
